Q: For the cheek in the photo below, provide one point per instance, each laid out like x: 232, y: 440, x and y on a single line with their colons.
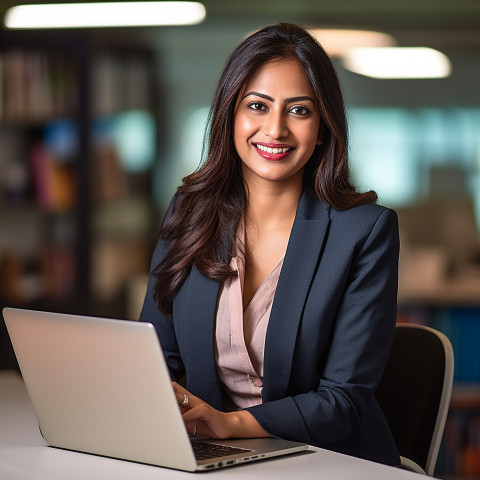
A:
x: 310, y: 139
x: 244, y: 127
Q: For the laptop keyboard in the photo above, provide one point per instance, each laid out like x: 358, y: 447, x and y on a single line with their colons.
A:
x: 206, y: 450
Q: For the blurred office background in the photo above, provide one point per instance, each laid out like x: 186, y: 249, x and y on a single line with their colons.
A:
x: 99, y: 125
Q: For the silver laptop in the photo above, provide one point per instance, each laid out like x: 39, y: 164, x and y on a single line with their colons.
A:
x: 101, y: 386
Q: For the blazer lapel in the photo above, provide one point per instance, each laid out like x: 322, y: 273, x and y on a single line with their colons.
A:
x: 199, y: 334
x: 299, y: 266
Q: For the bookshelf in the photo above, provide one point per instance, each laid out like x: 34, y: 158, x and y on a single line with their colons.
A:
x: 78, y: 141
x: 44, y: 207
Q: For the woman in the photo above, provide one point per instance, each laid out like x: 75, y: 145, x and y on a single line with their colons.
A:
x: 273, y: 286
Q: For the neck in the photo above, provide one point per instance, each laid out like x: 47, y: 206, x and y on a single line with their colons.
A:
x: 271, y: 203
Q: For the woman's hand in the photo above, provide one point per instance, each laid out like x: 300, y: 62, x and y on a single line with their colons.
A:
x: 202, y: 419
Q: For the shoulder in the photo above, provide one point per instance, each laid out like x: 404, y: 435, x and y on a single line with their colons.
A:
x: 366, y: 213
x: 363, y: 225
x: 350, y: 227
x: 363, y: 219
x: 312, y: 208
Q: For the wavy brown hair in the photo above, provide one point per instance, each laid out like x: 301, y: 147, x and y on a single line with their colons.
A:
x: 201, y: 228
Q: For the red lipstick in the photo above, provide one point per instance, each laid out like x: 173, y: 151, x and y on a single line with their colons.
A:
x: 273, y: 151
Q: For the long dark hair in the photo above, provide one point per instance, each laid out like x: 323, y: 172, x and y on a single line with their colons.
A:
x: 210, y: 202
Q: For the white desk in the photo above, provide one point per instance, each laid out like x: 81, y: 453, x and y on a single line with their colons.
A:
x: 24, y: 455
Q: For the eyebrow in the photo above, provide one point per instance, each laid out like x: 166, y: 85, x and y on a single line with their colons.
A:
x: 287, y: 100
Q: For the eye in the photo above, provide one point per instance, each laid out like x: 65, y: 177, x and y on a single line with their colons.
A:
x: 260, y: 106
x: 299, y: 110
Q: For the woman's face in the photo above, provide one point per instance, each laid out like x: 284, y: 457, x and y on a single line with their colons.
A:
x: 277, y: 123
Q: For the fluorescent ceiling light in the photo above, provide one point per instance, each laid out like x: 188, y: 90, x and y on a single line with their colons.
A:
x: 337, y: 42
x: 108, y: 14
x: 398, y: 62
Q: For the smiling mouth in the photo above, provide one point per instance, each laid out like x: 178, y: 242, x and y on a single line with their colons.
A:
x: 272, y: 150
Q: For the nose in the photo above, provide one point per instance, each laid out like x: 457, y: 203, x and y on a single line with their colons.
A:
x: 275, y: 125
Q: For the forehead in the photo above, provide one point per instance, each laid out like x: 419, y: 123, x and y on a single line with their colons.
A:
x: 285, y: 77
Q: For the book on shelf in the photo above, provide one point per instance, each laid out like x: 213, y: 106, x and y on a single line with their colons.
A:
x: 121, y: 82
x: 35, y: 85
x: 54, y: 182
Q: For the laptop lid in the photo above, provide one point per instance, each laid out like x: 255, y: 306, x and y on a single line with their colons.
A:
x: 102, y: 386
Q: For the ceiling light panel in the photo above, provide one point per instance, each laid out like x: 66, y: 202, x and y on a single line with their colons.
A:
x: 337, y: 42
x: 104, y: 14
x: 397, y: 62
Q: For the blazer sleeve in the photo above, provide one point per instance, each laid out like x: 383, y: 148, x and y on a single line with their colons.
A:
x: 360, y: 344
x: 150, y: 312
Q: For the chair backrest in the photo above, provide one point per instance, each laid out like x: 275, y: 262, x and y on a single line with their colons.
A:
x: 415, y: 392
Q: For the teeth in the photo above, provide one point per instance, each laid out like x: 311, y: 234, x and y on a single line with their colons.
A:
x: 273, y: 150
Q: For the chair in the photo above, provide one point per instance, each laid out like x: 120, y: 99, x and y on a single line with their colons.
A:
x: 414, y: 394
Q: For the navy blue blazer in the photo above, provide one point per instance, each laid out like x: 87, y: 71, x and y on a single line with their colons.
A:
x: 328, y: 337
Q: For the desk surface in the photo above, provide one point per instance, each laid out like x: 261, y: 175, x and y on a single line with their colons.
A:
x: 24, y: 455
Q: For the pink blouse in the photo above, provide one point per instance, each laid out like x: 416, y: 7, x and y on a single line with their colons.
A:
x: 240, y: 336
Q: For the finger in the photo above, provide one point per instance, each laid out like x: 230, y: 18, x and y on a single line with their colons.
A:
x: 182, y: 394
x: 200, y: 413
x: 192, y: 423
x: 191, y: 415
x: 192, y: 427
x: 183, y: 401
x: 179, y: 389
x: 184, y: 397
x: 209, y: 422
